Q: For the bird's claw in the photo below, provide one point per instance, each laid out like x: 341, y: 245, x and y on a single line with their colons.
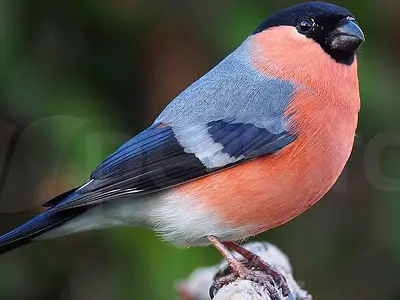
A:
x: 278, y: 279
x: 272, y: 283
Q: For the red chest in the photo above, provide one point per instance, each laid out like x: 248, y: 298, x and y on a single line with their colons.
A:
x: 270, y: 191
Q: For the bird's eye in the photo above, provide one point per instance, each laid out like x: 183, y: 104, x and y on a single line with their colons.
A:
x: 305, y: 25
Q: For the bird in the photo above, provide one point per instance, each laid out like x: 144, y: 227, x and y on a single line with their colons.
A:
x: 247, y: 147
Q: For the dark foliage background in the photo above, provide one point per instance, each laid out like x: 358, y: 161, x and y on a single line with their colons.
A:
x: 77, y: 78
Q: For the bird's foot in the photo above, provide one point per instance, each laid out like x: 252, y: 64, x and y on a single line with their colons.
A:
x: 255, y: 262
x: 247, y: 274
x: 254, y: 270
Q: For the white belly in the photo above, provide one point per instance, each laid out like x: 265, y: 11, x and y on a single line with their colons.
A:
x: 177, y: 221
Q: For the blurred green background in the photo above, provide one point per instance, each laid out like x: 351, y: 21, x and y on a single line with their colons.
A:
x: 78, y: 78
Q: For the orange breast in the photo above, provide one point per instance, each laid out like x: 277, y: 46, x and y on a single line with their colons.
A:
x: 272, y: 190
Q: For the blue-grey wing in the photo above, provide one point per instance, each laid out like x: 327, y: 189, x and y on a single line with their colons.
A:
x: 164, y: 156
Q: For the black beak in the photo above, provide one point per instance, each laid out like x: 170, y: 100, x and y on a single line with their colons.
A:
x: 347, y: 36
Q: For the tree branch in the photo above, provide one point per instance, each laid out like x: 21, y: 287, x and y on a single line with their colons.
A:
x: 197, y: 286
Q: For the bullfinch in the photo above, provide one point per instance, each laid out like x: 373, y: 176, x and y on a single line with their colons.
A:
x: 247, y: 147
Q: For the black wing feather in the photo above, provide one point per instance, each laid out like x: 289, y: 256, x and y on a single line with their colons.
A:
x: 155, y: 160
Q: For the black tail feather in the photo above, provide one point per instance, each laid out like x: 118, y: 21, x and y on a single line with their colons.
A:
x: 40, y: 224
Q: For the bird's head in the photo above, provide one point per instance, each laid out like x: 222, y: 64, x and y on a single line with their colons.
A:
x: 308, y: 41
x: 332, y: 27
